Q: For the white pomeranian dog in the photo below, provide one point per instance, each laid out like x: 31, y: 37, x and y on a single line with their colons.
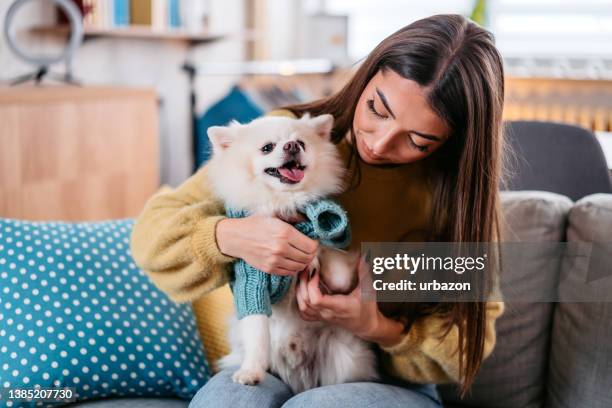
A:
x: 274, y: 166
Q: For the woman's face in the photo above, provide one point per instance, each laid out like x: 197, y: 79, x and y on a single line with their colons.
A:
x: 393, y: 122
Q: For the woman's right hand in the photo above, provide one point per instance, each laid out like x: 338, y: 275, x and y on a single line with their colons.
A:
x: 266, y: 243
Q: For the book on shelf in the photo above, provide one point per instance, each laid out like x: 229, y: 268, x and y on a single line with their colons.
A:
x: 157, y: 14
x: 121, y: 12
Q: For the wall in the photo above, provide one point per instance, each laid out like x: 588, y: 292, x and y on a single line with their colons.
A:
x: 146, y: 63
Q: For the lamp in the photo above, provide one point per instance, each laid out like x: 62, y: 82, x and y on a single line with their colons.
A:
x: 43, y: 62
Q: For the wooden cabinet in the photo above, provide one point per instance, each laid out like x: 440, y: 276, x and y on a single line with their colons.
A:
x: 72, y: 153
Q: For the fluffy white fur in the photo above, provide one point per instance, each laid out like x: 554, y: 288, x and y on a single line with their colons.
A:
x: 237, y: 165
x: 303, y: 354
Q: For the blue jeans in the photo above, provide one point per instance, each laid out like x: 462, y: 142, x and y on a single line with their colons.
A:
x: 221, y: 391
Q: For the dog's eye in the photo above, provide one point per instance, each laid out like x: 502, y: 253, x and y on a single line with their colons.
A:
x: 268, y: 148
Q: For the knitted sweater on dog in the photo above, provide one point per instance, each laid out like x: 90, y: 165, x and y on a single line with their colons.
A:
x: 256, y: 291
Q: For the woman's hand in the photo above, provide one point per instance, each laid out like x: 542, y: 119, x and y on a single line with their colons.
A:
x: 266, y: 243
x: 360, y: 317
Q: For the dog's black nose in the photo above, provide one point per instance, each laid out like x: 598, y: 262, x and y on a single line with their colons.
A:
x: 291, y: 147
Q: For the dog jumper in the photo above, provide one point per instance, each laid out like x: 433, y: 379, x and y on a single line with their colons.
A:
x: 256, y: 291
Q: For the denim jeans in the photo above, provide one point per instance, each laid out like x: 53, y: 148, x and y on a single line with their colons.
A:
x: 221, y: 391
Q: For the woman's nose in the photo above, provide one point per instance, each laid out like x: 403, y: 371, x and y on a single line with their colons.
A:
x: 383, y: 144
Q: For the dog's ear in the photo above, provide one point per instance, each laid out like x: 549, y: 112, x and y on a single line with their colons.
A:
x: 323, y: 125
x: 221, y: 137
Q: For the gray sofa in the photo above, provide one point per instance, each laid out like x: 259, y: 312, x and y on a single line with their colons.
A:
x: 556, y: 355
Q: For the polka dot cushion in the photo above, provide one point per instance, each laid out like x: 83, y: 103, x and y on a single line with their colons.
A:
x: 75, y: 311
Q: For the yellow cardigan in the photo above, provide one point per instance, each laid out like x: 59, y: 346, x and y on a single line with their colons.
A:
x: 173, y: 241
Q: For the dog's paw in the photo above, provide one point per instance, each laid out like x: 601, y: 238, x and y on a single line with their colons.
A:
x: 294, y: 351
x: 247, y: 376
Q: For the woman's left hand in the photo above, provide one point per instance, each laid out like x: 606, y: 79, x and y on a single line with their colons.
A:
x: 359, y: 316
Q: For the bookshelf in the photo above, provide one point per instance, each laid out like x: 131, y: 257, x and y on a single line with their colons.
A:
x: 135, y: 32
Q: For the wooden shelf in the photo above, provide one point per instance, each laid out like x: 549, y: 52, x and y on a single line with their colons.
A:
x: 53, y: 93
x: 134, y: 32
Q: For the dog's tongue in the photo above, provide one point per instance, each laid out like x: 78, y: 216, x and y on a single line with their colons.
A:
x: 294, y: 174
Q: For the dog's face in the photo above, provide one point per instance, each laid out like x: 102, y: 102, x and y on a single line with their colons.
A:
x: 276, y: 155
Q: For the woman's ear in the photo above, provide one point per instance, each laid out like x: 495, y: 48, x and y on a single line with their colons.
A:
x: 221, y: 137
x: 323, y: 125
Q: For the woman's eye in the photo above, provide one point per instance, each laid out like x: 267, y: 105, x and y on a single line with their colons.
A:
x: 267, y: 148
x: 370, y: 103
x: 416, y: 146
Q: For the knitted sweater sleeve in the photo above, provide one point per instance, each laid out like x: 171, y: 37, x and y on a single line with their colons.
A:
x: 174, y: 242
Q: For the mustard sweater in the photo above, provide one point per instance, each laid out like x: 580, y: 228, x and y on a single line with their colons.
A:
x: 173, y: 241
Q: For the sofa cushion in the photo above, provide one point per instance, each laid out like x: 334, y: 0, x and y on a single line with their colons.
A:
x: 212, y: 313
x: 514, y: 374
x: 77, y: 312
x: 581, y: 351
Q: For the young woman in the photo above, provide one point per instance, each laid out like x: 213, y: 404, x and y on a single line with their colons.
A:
x: 419, y: 125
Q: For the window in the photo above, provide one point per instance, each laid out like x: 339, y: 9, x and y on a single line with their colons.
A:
x: 569, y: 38
x: 370, y: 21
x: 552, y: 28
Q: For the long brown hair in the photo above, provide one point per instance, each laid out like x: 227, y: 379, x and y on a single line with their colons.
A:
x: 461, y: 71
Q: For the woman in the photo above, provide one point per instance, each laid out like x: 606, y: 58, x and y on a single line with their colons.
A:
x: 420, y: 127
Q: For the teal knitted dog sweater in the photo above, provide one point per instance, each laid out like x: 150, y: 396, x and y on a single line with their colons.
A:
x: 256, y: 291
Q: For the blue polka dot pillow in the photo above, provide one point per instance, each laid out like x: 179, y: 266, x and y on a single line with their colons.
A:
x: 75, y: 311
